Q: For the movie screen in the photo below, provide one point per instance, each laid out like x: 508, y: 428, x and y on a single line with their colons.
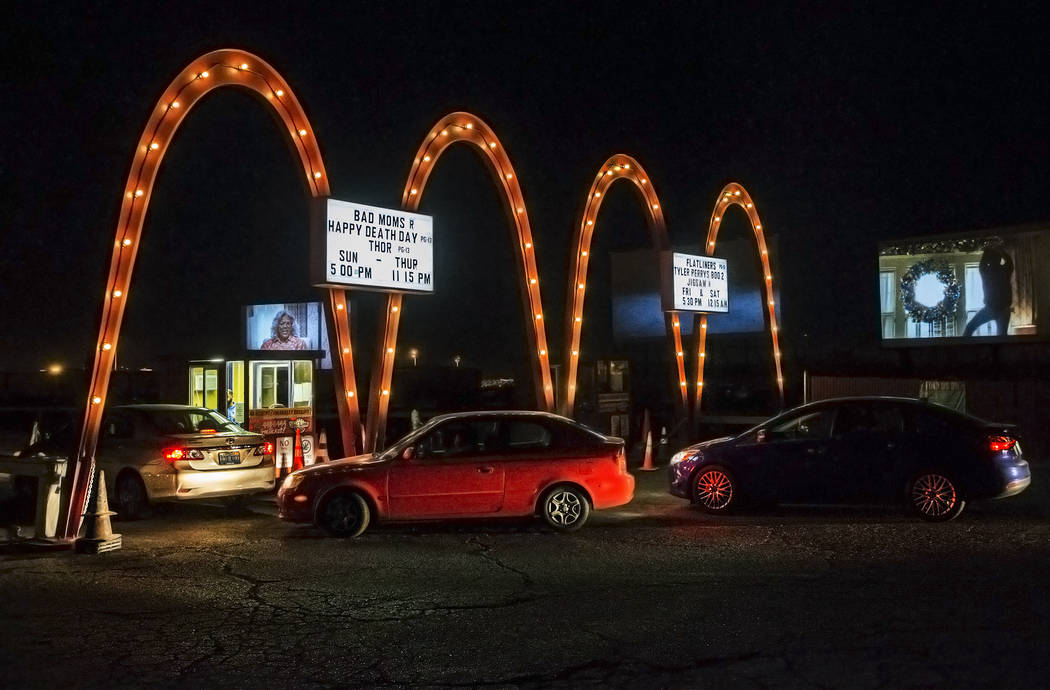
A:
x: 989, y: 285
x: 295, y: 326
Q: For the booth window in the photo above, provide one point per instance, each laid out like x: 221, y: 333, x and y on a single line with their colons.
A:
x: 888, y: 295
x: 974, y: 296
x: 302, y: 383
x: 204, y: 387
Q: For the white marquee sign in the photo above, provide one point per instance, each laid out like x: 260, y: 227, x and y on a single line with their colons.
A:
x: 372, y: 248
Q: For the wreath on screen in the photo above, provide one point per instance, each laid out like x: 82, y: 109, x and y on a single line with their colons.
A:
x: 945, y: 275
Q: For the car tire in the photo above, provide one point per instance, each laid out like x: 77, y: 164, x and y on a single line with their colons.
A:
x: 935, y: 496
x: 715, y: 489
x: 565, y: 508
x: 132, y: 501
x: 344, y: 514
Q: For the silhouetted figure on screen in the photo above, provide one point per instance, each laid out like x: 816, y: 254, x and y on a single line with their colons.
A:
x: 996, y: 270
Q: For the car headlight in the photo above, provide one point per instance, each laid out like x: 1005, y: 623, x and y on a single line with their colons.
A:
x: 682, y: 455
x: 293, y: 480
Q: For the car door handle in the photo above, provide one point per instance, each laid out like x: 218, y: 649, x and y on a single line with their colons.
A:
x: 486, y: 470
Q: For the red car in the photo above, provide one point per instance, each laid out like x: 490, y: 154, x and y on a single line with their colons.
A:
x: 472, y: 464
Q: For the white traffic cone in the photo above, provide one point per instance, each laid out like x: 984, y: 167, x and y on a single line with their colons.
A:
x: 321, y: 451
x: 98, y: 532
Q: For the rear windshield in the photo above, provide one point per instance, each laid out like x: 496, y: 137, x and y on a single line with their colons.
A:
x: 188, y: 421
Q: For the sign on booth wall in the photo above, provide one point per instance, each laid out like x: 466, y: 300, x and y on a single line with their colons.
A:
x: 695, y: 283
x: 371, y: 248
x: 276, y: 421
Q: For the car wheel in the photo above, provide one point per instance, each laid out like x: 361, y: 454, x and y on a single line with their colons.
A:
x: 131, y: 499
x: 565, y: 508
x: 715, y: 490
x: 935, y: 496
x: 344, y: 514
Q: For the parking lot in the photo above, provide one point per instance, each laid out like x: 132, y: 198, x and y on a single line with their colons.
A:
x: 652, y: 594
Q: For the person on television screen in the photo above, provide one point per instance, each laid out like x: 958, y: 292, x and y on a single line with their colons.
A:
x: 996, y: 268
x: 283, y: 334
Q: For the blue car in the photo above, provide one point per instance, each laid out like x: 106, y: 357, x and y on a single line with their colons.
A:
x: 857, y: 450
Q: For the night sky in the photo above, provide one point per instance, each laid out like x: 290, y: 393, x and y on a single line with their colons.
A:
x: 847, y: 127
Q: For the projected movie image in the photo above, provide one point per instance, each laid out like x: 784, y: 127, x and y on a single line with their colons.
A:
x: 963, y: 287
x: 288, y: 327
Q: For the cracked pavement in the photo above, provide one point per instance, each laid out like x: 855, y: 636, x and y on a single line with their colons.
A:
x: 653, y: 594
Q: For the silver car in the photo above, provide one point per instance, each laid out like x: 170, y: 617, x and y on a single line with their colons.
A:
x: 177, y: 452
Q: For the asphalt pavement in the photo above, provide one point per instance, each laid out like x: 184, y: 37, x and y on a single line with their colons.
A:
x: 654, y: 594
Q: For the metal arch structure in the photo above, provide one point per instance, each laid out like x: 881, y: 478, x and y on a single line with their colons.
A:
x: 470, y: 129
x: 617, y: 167
x: 734, y: 194
x: 227, y: 67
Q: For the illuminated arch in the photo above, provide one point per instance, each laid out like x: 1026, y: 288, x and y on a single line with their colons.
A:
x: 734, y: 194
x: 206, y: 73
x: 470, y: 129
x: 618, y: 167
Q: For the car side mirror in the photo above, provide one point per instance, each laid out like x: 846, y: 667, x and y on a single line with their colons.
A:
x: 762, y: 436
x: 408, y: 453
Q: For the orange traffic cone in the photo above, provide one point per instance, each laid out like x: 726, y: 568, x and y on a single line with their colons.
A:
x: 645, y: 425
x: 297, y: 455
x: 98, y: 532
x: 647, y: 464
x: 321, y: 452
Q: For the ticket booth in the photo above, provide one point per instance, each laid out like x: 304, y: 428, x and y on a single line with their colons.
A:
x: 273, y: 397
x: 271, y: 388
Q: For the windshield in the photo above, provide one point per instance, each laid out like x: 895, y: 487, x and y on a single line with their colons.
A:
x: 405, y: 441
x: 191, y: 421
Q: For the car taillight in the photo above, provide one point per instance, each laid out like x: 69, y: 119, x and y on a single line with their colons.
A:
x: 264, y: 449
x: 1000, y: 443
x: 173, y: 454
x: 621, y: 459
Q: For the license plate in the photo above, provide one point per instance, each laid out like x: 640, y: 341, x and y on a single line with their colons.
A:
x: 229, y: 458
